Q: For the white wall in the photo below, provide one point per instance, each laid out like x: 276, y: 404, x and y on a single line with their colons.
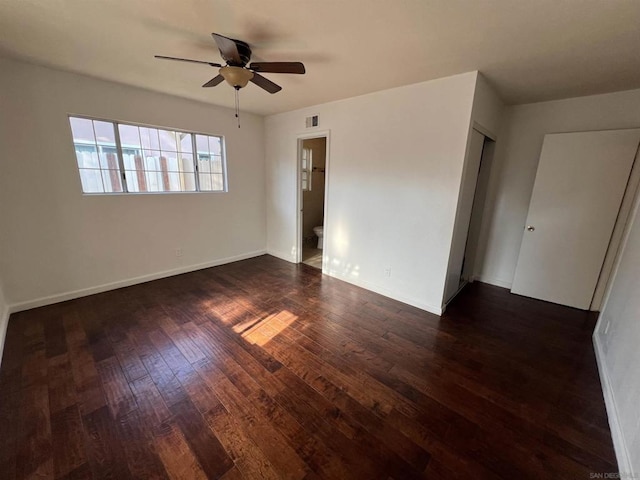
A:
x: 618, y: 352
x: 516, y: 162
x: 55, y: 241
x: 395, y: 163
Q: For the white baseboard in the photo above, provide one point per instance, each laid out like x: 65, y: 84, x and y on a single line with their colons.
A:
x: 4, y: 323
x: 619, y: 443
x: 493, y: 281
x: 282, y: 256
x: 61, y: 297
x: 387, y: 293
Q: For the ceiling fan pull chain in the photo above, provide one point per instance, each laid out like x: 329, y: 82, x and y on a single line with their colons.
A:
x: 238, y: 106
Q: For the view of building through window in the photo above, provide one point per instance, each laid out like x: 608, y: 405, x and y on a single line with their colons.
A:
x: 152, y: 159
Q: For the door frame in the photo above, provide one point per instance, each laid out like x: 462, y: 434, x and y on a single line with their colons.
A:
x: 326, y: 134
x: 489, y: 135
x: 632, y: 192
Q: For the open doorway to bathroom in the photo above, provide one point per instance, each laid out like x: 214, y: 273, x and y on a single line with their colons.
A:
x: 312, y: 155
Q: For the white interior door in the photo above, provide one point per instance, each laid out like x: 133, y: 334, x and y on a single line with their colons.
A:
x: 578, y: 190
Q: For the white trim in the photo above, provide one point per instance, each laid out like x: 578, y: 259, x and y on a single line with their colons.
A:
x: 4, y: 323
x: 484, y: 131
x: 492, y: 281
x: 325, y: 225
x: 387, y: 293
x: 61, y: 297
x: 619, y: 443
x: 287, y: 257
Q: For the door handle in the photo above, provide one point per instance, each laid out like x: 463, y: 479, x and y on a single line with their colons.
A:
x: 530, y: 228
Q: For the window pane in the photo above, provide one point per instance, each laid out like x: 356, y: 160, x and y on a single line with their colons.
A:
x: 202, y: 144
x: 151, y: 160
x: 154, y: 182
x: 129, y: 136
x: 189, y: 181
x: 91, y: 181
x: 87, y: 156
x: 186, y: 163
x: 204, y: 165
x: 185, y: 142
x: 168, y: 140
x: 216, y: 182
x: 205, y: 181
x: 149, y: 137
x: 129, y: 160
x: 132, y: 182
x: 111, y: 181
x: 215, y: 145
x: 105, y: 133
x: 174, y: 181
x: 108, y: 159
x: 216, y: 164
x: 172, y: 164
x: 82, y: 130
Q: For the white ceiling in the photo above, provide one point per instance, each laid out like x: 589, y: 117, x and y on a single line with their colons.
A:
x: 530, y: 50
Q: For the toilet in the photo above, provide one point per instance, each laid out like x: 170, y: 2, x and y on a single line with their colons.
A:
x: 319, y: 232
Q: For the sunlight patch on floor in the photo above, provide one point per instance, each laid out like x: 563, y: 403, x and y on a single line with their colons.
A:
x: 262, y: 332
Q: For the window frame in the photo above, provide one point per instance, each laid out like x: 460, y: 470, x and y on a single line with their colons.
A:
x: 120, y: 157
x: 309, y: 167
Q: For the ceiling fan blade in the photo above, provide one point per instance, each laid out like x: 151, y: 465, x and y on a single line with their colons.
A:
x: 278, y: 67
x: 266, y: 84
x: 214, y: 81
x: 228, y: 49
x: 188, y: 60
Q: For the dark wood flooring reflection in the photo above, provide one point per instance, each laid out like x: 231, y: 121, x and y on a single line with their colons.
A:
x: 264, y: 369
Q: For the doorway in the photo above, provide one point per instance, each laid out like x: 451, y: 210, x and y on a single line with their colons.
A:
x: 312, y: 167
x: 466, y: 237
x: 469, y: 267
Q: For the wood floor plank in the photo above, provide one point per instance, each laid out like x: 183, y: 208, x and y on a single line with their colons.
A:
x: 88, y: 386
x: 142, y: 458
x: 116, y: 388
x: 105, y: 451
x: 178, y: 459
x: 34, y: 453
x: 67, y: 438
x: 153, y: 410
x: 211, y: 455
x: 248, y: 458
x: 266, y: 369
x: 62, y: 389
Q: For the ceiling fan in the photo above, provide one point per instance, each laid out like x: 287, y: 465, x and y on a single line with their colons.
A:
x: 237, y: 55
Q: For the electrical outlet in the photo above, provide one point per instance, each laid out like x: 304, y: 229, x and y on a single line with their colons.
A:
x: 179, y: 252
x: 387, y: 272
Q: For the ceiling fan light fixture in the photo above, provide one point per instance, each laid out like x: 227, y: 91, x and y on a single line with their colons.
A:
x: 237, y: 77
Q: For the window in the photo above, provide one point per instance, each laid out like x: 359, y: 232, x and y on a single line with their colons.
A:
x: 120, y: 157
x: 306, y: 169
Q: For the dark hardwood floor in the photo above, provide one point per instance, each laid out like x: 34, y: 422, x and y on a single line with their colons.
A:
x: 264, y: 369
